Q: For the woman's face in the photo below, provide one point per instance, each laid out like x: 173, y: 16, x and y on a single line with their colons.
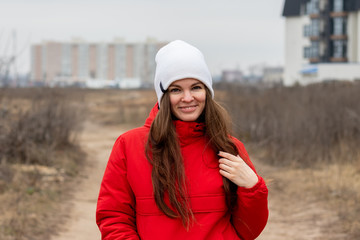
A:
x: 187, y: 99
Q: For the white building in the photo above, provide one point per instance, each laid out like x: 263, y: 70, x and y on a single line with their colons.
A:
x: 231, y: 76
x: 273, y: 76
x: 322, y: 40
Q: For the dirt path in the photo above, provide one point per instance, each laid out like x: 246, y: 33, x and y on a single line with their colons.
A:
x: 295, y: 212
x: 97, y: 141
x: 293, y: 215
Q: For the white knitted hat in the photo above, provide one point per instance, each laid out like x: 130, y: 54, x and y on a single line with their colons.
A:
x: 178, y: 60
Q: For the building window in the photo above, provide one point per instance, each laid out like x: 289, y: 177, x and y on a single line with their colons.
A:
x: 314, y: 49
x: 339, y: 49
x: 339, y: 26
x: 306, y: 52
x: 83, y: 60
x: 312, y: 30
x: 66, y: 60
x: 312, y: 7
x: 338, y: 5
x: 315, y: 27
x: 306, y: 30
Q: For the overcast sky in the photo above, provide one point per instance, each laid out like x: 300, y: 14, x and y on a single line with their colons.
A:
x: 231, y: 33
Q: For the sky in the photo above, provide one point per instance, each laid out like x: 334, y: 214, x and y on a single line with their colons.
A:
x: 232, y: 34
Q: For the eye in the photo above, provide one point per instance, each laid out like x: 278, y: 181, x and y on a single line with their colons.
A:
x: 174, y: 90
x: 197, y: 87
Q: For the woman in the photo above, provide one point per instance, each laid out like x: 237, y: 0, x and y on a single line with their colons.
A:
x: 181, y: 175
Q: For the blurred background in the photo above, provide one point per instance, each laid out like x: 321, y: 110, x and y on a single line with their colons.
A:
x: 76, y: 74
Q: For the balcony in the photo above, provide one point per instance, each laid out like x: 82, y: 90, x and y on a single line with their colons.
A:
x: 314, y: 38
x: 339, y: 14
x: 314, y: 60
x: 314, y: 15
x: 339, y: 37
x: 338, y: 59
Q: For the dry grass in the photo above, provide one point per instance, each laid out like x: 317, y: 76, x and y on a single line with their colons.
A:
x: 338, y: 185
x: 311, y: 135
x: 313, y: 203
x: 31, y: 196
x: 112, y: 107
x: 38, y: 156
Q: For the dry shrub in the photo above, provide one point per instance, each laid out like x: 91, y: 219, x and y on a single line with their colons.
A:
x: 38, y: 154
x: 311, y: 135
x: 31, y: 135
x: 300, y: 125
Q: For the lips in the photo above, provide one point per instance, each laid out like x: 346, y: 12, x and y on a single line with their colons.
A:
x: 188, y: 109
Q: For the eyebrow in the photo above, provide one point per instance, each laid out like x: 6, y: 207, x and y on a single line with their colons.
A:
x: 174, y: 85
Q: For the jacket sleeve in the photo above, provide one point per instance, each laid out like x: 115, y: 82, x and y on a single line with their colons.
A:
x: 251, y: 213
x: 115, y: 213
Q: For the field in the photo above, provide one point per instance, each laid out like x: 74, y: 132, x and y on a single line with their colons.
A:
x: 303, y: 141
x: 310, y: 136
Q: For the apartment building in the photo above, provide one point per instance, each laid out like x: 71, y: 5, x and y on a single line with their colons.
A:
x: 272, y: 76
x: 126, y: 64
x: 322, y: 40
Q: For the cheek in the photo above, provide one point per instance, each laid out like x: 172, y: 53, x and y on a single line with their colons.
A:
x: 202, y: 97
x: 174, y: 101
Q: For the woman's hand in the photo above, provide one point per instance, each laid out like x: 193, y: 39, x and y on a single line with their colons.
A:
x: 236, y: 170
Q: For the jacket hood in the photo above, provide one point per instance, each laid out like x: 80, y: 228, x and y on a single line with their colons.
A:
x: 152, y: 115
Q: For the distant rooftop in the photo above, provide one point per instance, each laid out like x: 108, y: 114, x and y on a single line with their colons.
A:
x: 292, y: 7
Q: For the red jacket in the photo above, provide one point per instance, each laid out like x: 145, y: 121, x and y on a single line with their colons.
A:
x: 126, y: 207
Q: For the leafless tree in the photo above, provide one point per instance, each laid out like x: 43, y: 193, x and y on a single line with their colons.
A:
x: 8, y: 56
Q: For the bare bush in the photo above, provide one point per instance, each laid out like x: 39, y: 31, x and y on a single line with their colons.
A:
x: 300, y: 125
x: 30, y: 135
x: 38, y: 152
x: 316, y: 128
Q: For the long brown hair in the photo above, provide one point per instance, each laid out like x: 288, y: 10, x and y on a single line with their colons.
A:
x: 163, y: 152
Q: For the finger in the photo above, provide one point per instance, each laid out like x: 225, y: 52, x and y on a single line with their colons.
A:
x: 229, y: 156
x: 225, y: 174
x: 226, y: 161
x: 225, y: 168
x: 225, y: 154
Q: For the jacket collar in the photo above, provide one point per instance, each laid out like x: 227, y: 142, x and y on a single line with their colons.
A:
x: 186, y: 131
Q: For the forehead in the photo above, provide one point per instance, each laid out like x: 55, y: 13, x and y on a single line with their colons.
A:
x: 185, y: 82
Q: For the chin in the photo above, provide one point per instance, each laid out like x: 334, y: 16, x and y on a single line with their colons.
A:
x: 192, y: 118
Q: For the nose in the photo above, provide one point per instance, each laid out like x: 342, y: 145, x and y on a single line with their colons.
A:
x: 187, y: 97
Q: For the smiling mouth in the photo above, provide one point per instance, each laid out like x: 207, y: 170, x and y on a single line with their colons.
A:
x: 188, y: 108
